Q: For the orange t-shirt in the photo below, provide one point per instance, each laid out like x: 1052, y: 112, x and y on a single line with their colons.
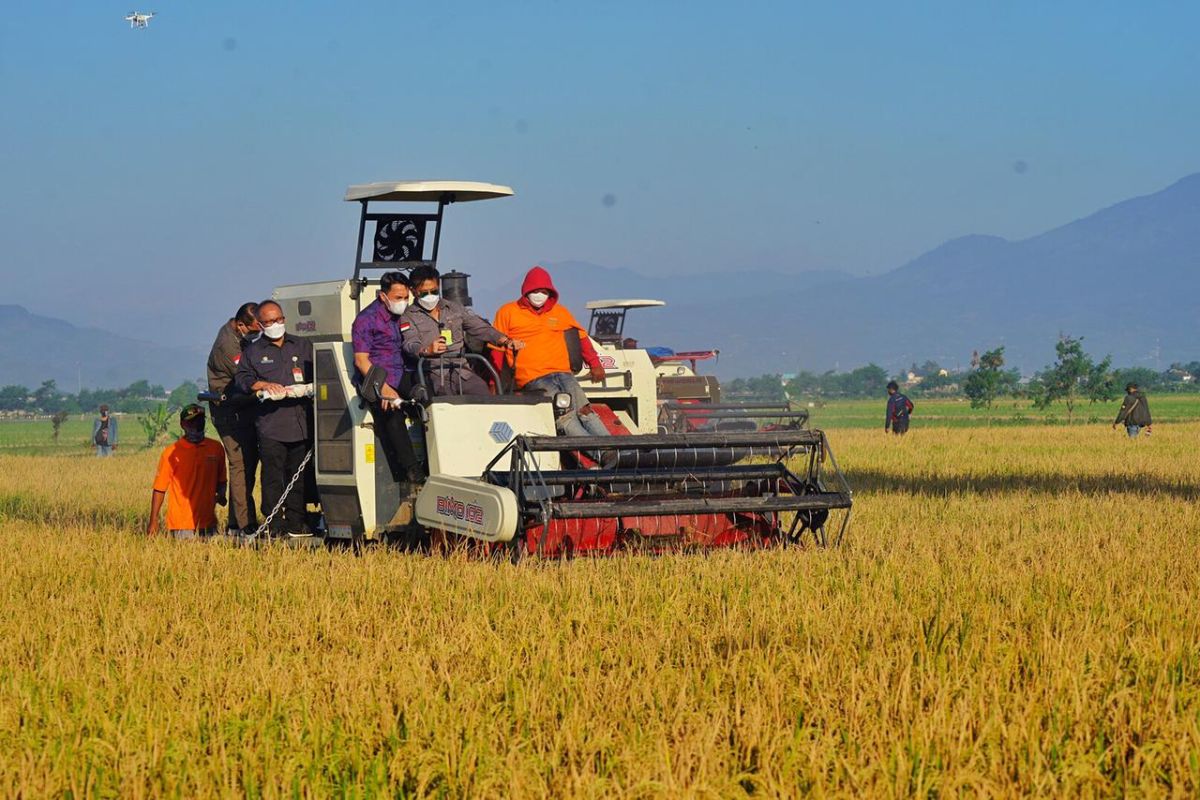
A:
x: 545, y: 348
x: 189, y: 474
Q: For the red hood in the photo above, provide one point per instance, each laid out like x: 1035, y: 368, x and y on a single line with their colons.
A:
x: 538, y: 278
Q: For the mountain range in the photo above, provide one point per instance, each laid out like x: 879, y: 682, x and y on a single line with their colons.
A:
x: 34, y: 348
x: 1125, y: 278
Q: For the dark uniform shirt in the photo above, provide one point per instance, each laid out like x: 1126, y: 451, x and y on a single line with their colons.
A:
x: 223, y: 362
x: 290, y: 363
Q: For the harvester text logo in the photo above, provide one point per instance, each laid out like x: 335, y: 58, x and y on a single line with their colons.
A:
x: 307, y: 326
x: 608, y: 362
x: 453, y: 507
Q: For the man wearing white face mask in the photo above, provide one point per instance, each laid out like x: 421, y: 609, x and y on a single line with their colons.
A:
x: 379, y: 362
x: 545, y: 364
x: 436, y: 330
x: 272, y: 364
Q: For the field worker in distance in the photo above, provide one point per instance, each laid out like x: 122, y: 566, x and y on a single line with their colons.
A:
x: 274, y: 364
x: 384, y: 375
x: 1134, y: 413
x: 191, y: 477
x: 538, y: 319
x: 233, y: 417
x: 899, y: 408
x: 434, y: 329
x: 104, y: 433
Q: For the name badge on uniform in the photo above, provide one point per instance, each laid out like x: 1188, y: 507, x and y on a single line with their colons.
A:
x: 447, y: 336
x: 297, y: 372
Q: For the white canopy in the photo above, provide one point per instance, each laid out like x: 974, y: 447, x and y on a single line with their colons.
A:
x: 427, y: 191
x: 593, y: 304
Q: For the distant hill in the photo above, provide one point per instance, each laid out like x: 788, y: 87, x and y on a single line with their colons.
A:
x: 1126, y: 278
x: 34, y: 348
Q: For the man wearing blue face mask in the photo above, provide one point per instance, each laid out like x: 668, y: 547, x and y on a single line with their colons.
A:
x: 191, y: 478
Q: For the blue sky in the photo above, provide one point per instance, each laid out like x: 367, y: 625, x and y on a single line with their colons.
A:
x: 185, y: 168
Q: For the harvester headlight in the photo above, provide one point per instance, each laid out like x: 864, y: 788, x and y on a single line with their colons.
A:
x: 562, y: 401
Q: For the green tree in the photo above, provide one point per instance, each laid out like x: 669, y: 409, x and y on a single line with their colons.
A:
x: 156, y: 423
x: 57, y: 420
x: 1073, y: 377
x: 183, y: 394
x: 13, y: 397
x: 47, y: 397
x: 989, y: 380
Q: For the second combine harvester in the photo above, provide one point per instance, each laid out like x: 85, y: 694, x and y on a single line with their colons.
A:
x: 499, y: 473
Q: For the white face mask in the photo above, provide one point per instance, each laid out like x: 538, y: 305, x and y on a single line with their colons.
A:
x: 397, y: 307
x: 429, y: 301
x: 537, y: 299
x: 275, y: 331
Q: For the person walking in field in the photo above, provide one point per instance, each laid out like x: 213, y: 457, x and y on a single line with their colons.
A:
x: 191, y: 478
x: 104, y: 433
x: 1134, y: 413
x: 899, y: 408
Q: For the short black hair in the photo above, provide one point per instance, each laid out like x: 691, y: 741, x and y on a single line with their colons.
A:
x: 893, y: 385
x: 245, y: 313
x: 267, y: 302
x: 389, y: 279
x: 424, y: 273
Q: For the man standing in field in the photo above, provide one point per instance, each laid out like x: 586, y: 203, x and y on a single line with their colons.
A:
x: 1134, y: 413
x: 281, y: 365
x: 233, y: 414
x: 191, y: 478
x: 104, y: 433
x: 899, y: 408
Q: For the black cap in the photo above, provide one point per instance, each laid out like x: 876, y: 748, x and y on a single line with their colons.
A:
x: 191, y: 412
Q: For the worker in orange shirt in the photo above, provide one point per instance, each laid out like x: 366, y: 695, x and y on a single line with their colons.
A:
x: 191, y: 478
x: 544, y: 365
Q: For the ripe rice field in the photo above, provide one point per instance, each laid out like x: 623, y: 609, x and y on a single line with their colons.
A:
x: 1015, y: 611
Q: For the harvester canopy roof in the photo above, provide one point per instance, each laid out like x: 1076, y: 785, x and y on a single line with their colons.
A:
x: 595, y: 304
x: 427, y: 191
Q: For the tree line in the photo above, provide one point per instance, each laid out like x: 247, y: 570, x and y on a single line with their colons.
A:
x: 1073, y: 377
x: 137, y: 398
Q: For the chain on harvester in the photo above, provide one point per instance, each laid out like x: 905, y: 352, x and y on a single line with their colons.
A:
x: 282, y: 499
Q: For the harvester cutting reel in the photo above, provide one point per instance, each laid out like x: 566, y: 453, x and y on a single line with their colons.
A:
x: 663, y: 492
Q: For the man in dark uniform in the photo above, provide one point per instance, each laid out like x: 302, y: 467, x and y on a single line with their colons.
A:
x: 233, y: 415
x: 379, y: 362
x: 899, y: 408
x: 280, y: 365
x: 436, y: 329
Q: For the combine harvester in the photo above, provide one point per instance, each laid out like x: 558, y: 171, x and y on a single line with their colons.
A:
x: 498, y: 472
x: 687, y: 400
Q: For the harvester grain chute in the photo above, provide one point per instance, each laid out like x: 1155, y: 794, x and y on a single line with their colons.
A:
x: 499, y: 474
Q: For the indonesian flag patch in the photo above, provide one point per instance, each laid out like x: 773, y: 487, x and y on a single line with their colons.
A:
x: 404, y: 326
x: 237, y: 359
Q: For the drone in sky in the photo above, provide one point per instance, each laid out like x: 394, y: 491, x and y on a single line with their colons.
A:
x: 137, y: 19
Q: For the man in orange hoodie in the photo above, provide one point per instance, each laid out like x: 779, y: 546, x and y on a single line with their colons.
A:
x: 544, y: 365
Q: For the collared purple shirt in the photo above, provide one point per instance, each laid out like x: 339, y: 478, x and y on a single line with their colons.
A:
x: 377, y: 333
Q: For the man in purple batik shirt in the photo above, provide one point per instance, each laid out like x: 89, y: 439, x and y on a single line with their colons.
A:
x: 378, y: 351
